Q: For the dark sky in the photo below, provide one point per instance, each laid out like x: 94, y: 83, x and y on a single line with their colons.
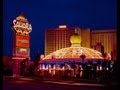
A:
x: 42, y: 14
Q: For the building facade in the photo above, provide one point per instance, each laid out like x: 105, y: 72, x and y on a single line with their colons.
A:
x: 58, y: 38
x: 106, y: 37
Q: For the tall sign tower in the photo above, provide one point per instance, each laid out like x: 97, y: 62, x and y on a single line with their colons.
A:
x: 21, y: 28
x: 21, y: 41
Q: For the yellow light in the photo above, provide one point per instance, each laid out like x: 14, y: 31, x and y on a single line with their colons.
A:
x: 22, y: 49
x: 75, y: 39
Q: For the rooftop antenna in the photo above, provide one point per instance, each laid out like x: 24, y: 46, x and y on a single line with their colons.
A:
x: 21, y: 13
x: 76, y: 29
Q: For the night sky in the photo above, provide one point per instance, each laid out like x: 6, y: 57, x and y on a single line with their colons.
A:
x: 43, y: 14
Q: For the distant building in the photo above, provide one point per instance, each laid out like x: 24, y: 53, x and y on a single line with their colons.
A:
x: 58, y: 38
x: 99, y: 47
x: 106, y: 37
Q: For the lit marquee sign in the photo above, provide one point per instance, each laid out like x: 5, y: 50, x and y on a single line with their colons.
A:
x: 21, y: 26
x: 22, y: 29
x: 22, y: 52
x: 22, y: 41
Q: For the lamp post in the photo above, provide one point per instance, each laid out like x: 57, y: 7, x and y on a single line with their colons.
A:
x: 83, y: 56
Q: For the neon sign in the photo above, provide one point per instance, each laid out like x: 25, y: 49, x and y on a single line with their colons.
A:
x: 21, y: 26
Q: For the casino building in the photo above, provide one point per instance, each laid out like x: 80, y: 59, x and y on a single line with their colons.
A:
x: 73, y: 51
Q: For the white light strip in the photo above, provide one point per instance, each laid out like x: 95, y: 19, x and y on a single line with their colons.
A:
x: 17, y: 58
x: 62, y: 26
x: 78, y: 84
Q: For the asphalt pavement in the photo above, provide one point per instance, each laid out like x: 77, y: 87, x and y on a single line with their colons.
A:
x: 11, y: 83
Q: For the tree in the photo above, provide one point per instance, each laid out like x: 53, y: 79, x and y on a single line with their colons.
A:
x: 82, y: 57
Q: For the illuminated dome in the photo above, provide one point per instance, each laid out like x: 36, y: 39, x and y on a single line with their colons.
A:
x: 75, y: 52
